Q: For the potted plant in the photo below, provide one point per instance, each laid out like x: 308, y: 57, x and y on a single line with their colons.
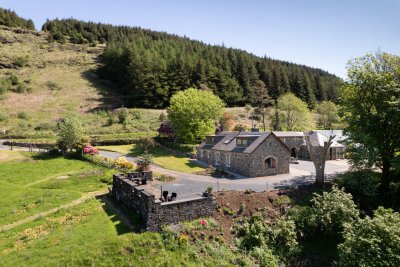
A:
x: 144, y: 161
x: 209, y: 189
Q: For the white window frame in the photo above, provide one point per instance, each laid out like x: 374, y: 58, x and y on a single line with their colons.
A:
x: 216, y: 158
x: 228, y: 159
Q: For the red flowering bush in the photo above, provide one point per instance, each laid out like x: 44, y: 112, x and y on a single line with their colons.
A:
x: 203, y: 223
x: 165, y: 130
x: 90, y: 150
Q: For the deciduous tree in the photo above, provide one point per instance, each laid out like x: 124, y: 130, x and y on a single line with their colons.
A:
x: 293, y: 113
x: 327, y: 113
x: 193, y: 114
x: 371, y: 101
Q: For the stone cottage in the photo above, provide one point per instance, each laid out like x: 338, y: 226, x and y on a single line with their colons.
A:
x: 250, y: 154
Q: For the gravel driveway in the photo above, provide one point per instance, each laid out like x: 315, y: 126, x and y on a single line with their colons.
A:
x: 187, y: 184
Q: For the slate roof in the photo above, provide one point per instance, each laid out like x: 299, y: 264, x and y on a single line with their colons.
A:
x: 228, y: 142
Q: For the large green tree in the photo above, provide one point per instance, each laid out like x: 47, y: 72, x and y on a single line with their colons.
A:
x: 327, y: 114
x: 193, y: 114
x: 293, y: 113
x: 371, y: 101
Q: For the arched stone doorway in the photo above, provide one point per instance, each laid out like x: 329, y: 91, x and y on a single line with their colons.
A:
x: 293, y: 153
x: 270, y: 163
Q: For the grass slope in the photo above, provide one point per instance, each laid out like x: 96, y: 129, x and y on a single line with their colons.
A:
x: 160, y: 157
x: 35, y: 185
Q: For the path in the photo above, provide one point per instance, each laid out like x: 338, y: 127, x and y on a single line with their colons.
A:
x: 51, y: 211
x: 187, y: 184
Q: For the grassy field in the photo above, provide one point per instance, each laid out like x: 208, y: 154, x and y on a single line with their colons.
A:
x: 90, y: 233
x: 30, y: 184
x: 160, y: 157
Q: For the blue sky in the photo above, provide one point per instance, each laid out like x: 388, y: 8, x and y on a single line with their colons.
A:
x: 323, y: 34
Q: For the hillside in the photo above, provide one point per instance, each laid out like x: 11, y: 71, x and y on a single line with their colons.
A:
x: 42, y: 82
x: 149, y: 66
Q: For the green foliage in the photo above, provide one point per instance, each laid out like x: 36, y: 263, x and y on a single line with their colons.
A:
x: 371, y: 102
x: 372, y: 242
x: 21, y: 61
x: 330, y: 211
x: 5, y: 85
x: 279, y: 236
x: 363, y: 186
x: 265, y: 256
x: 3, y: 116
x: 327, y: 114
x: 293, y: 114
x: 71, y: 134
x: 52, y: 85
x: 193, y: 114
x: 22, y: 115
x: 11, y: 19
x: 152, y: 66
x: 144, y: 161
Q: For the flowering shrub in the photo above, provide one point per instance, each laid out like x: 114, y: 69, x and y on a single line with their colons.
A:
x: 123, y: 163
x: 203, y: 223
x: 90, y: 150
x: 165, y: 130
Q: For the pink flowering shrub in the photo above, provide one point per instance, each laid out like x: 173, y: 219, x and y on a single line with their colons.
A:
x: 90, y: 150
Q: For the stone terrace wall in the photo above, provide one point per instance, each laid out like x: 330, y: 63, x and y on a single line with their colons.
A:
x: 153, y: 212
x: 180, y: 210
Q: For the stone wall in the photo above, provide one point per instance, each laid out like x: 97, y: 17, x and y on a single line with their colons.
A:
x: 155, y: 213
x: 271, y: 147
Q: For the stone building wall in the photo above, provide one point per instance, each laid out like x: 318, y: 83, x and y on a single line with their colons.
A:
x: 271, y: 147
x: 155, y: 213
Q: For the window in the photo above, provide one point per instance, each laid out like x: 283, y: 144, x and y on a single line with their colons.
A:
x: 270, y: 163
x: 244, y: 142
x: 216, y: 155
x: 208, y: 154
x: 201, y: 153
x: 239, y: 141
x: 228, y: 160
x: 270, y: 144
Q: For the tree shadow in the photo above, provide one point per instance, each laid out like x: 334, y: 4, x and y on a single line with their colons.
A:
x: 109, y: 98
x: 119, y: 213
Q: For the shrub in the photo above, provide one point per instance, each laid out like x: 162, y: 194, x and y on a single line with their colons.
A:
x: 21, y: 61
x: 22, y: 115
x: 123, y: 164
x: 363, y: 186
x: 22, y: 88
x: 90, y: 150
x: 3, y: 116
x: 372, y: 242
x: 265, y: 256
x: 99, y: 160
x: 279, y: 236
x: 331, y: 210
x: 45, y: 126
x: 52, y: 85
x: 5, y: 85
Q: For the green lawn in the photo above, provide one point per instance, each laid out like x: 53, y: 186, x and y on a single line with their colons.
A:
x: 91, y: 235
x: 31, y: 185
x: 161, y: 158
